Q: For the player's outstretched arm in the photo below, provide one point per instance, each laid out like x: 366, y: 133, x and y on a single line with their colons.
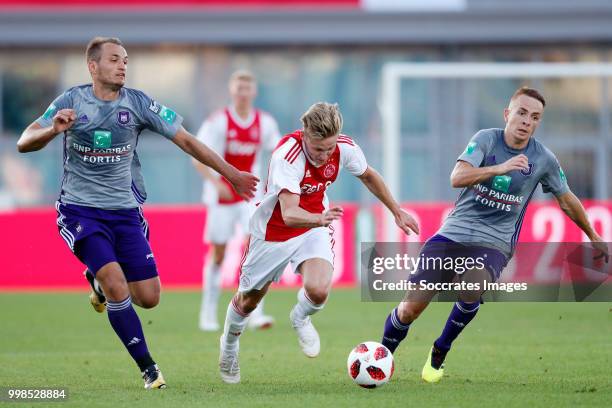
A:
x: 223, y: 190
x: 35, y: 137
x: 376, y: 184
x: 465, y: 175
x: 296, y: 217
x: 571, y: 205
x: 244, y: 183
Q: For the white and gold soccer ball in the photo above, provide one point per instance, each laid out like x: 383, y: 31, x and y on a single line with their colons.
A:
x: 370, y: 364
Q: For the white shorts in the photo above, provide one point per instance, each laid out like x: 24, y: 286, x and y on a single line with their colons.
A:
x: 265, y: 261
x: 222, y: 220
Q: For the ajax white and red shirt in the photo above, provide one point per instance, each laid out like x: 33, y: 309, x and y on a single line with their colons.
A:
x: 291, y: 170
x: 239, y: 142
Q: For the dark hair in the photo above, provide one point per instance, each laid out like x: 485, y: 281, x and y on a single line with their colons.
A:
x: 531, y: 92
x: 94, y: 48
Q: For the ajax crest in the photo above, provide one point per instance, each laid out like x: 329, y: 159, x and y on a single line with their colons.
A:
x: 329, y: 170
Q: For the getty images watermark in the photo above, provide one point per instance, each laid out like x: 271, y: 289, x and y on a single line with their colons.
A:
x: 443, y: 271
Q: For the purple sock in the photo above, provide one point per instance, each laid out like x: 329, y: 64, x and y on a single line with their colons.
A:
x: 459, y: 317
x: 126, y: 324
x: 395, y: 331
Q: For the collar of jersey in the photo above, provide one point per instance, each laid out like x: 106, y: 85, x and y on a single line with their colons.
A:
x: 308, y: 157
x: 102, y: 101
x: 238, y: 120
x: 511, y: 149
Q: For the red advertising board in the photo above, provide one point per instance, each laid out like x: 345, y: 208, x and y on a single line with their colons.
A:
x: 34, y: 257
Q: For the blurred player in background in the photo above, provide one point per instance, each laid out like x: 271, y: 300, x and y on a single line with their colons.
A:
x: 293, y: 225
x: 487, y: 218
x: 98, y: 207
x: 239, y: 133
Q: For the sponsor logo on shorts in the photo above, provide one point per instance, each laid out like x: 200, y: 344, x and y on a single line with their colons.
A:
x: 149, y: 256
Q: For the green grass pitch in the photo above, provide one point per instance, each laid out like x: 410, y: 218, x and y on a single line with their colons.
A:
x: 512, y: 354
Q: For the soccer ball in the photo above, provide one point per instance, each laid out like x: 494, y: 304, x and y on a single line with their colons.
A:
x: 370, y: 364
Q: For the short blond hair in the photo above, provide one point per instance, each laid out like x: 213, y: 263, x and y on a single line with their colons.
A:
x: 242, y: 75
x: 322, y: 120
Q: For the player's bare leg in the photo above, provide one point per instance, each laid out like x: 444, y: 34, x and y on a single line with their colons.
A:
x: 238, y: 312
x: 259, y: 320
x: 317, y: 277
x: 145, y: 293
x: 212, y: 289
x: 125, y: 322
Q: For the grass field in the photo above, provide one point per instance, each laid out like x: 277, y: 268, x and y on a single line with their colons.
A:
x: 527, y: 354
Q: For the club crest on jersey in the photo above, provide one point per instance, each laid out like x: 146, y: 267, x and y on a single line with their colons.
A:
x: 83, y: 119
x: 329, y: 170
x: 529, y: 171
x: 123, y: 117
x: 254, y: 133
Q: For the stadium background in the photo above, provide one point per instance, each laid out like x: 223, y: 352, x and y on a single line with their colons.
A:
x: 182, y: 53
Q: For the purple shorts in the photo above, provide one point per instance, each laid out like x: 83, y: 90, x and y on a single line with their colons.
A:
x: 98, y: 236
x: 440, y: 247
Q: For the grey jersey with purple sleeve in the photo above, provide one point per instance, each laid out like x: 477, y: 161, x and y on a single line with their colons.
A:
x: 491, y: 213
x: 101, y: 166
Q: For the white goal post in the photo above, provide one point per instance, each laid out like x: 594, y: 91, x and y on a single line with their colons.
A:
x: 394, y: 72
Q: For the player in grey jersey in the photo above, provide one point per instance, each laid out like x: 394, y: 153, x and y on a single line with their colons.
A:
x: 98, y: 207
x: 499, y: 171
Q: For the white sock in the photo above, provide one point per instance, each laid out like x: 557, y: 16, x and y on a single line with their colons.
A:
x: 258, y: 312
x: 211, y: 291
x: 235, y: 321
x: 305, y: 307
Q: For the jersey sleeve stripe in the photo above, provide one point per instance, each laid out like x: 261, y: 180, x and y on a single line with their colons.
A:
x: 291, y: 151
x: 295, y: 156
x: 344, y: 139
